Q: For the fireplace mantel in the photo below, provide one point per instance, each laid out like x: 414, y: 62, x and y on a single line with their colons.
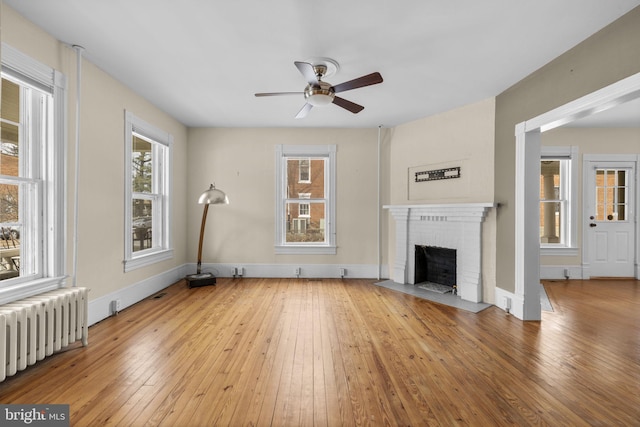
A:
x: 453, y: 225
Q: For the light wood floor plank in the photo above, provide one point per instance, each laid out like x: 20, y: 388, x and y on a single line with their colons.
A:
x: 293, y: 352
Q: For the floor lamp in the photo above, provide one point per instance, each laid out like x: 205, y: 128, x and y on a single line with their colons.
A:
x: 212, y: 196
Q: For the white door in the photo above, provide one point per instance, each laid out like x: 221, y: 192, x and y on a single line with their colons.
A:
x: 609, y: 218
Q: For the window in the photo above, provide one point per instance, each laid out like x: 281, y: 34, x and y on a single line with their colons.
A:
x: 148, y: 156
x: 304, y: 208
x: 304, y: 166
x: 305, y: 191
x: 557, y: 194
x: 32, y: 250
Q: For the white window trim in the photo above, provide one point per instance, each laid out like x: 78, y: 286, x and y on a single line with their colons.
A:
x: 144, y: 258
x: 54, y: 243
x: 283, y: 151
x: 569, y: 248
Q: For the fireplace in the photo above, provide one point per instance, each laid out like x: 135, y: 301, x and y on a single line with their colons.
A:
x: 434, y: 264
x: 455, y: 226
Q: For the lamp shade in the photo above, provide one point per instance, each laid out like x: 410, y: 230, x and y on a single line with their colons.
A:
x: 213, y: 196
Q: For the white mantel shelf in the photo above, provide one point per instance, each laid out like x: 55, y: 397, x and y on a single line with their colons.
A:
x: 453, y: 225
x: 453, y: 209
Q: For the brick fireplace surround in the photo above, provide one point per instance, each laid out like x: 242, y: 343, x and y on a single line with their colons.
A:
x: 455, y: 226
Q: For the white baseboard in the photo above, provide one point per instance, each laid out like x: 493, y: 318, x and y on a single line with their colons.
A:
x: 351, y: 271
x: 560, y: 272
x: 101, y: 308
x: 503, y: 298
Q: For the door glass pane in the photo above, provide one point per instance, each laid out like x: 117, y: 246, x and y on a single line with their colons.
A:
x: 142, y: 224
x: 141, y: 166
x: 611, y: 194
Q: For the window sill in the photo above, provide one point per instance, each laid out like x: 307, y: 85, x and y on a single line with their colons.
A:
x: 145, y: 260
x: 558, y: 251
x: 26, y: 288
x: 305, y: 250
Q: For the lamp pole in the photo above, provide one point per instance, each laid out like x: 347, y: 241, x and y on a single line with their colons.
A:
x: 212, y: 196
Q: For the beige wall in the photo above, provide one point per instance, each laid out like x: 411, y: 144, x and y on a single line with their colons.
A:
x: 588, y: 141
x: 461, y: 137
x: 606, y: 57
x: 241, y: 162
x: 101, y: 188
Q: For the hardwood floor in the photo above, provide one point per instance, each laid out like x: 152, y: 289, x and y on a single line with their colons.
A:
x: 293, y: 352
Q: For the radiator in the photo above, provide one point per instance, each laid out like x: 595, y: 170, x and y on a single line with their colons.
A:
x: 36, y: 327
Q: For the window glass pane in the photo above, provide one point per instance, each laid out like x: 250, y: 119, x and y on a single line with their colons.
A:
x: 313, y: 186
x: 9, y: 152
x: 142, y: 167
x: 550, y: 222
x: 10, y: 108
x: 9, y: 231
x: 310, y: 228
x: 9, y: 203
x: 303, y: 168
x: 9, y: 128
x: 142, y: 224
x: 550, y: 180
x: 550, y: 202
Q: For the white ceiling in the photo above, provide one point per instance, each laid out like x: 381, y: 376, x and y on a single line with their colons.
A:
x: 202, y: 61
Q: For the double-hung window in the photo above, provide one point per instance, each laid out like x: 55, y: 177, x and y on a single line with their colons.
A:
x: 305, y: 205
x: 557, y: 200
x: 147, y: 212
x: 32, y: 249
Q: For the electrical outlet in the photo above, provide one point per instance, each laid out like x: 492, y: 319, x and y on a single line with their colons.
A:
x: 343, y: 272
x: 239, y: 271
x: 234, y: 271
x: 297, y: 271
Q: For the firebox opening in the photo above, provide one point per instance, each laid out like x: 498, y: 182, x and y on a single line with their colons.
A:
x: 435, y: 265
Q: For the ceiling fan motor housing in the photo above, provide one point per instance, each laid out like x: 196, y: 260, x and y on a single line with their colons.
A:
x: 319, y: 94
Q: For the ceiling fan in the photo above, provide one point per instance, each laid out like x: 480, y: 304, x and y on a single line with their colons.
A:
x: 319, y: 93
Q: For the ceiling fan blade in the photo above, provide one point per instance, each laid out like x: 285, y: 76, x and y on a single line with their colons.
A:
x: 305, y: 110
x: 348, y: 105
x: 307, y: 72
x: 279, y: 93
x: 368, y: 80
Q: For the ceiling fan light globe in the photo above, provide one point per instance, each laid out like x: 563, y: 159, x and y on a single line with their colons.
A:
x: 320, y: 99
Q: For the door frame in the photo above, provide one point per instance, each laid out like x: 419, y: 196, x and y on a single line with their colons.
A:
x: 587, y: 159
x: 526, y: 298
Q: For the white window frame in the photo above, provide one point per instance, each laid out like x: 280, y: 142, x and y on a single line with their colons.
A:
x: 161, y: 248
x: 282, y: 153
x: 47, y: 226
x: 568, y: 189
